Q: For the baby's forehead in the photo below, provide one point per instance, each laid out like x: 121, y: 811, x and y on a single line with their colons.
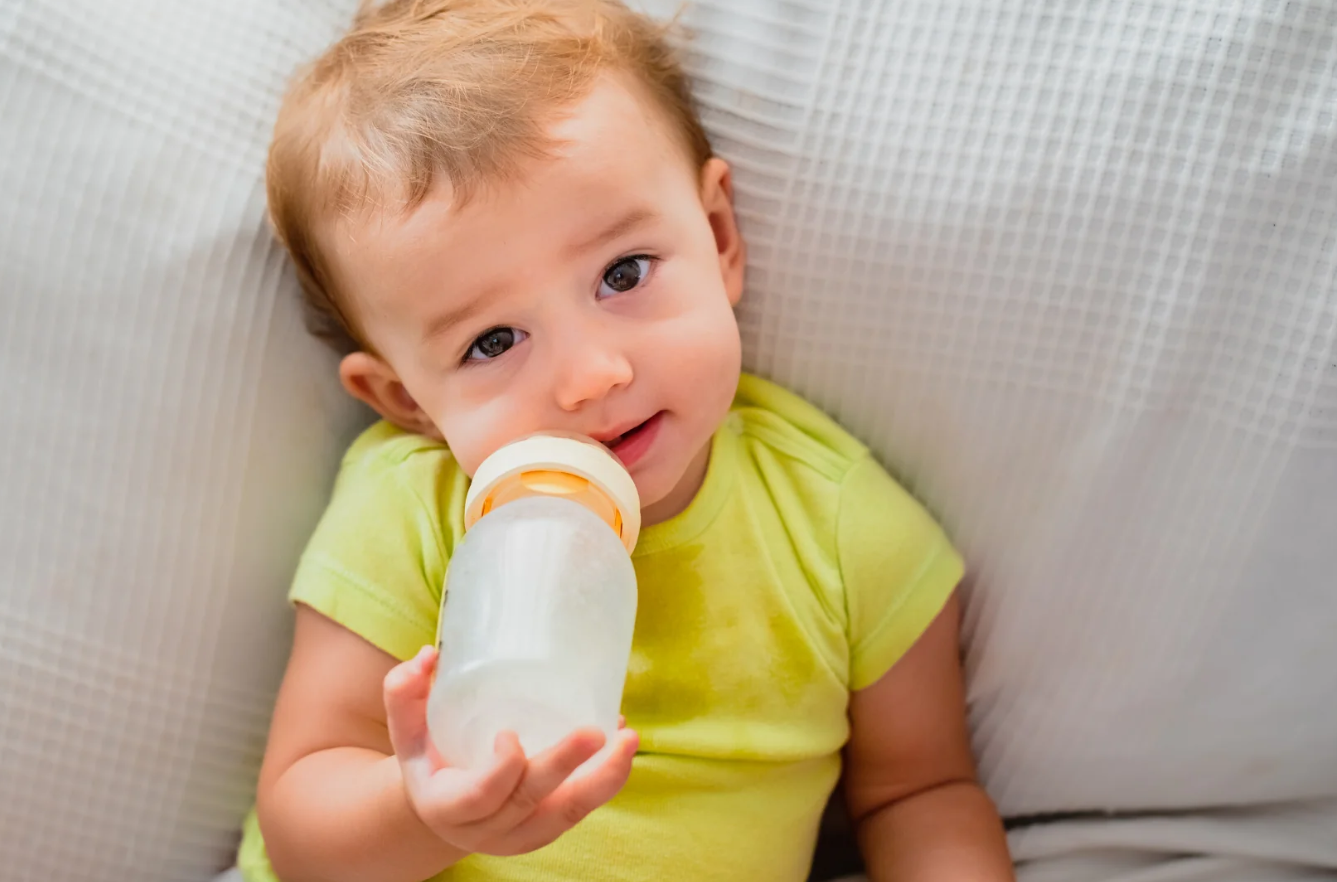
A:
x: 609, y: 155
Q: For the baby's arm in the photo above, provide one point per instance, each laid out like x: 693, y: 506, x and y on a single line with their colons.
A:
x: 910, y: 777
x: 346, y: 793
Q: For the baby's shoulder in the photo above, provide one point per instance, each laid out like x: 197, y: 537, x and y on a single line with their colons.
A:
x: 392, y: 482
x: 820, y: 478
x: 383, y: 448
x: 377, y: 559
x: 386, y: 461
x: 794, y: 435
x: 872, y: 553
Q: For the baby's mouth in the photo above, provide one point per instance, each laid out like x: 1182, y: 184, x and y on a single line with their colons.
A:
x: 632, y: 445
x: 612, y: 443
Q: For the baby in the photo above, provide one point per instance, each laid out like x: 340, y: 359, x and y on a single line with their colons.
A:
x: 507, y: 217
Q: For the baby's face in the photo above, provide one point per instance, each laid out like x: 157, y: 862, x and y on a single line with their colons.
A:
x: 594, y: 295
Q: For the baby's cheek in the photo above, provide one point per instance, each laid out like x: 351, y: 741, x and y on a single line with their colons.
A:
x: 462, y: 446
x: 474, y: 433
x: 719, y: 356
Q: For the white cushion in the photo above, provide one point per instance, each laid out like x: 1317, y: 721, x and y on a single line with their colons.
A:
x: 1072, y: 270
x: 167, y: 429
x: 1069, y: 270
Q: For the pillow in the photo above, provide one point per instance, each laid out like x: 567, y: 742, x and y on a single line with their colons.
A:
x: 1072, y: 272
x: 1069, y: 271
x: 168, y: 432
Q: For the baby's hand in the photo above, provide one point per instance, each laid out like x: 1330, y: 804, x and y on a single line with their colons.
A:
x: 516, y: 806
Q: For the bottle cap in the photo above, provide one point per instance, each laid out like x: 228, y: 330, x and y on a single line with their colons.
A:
x: 568, y: 466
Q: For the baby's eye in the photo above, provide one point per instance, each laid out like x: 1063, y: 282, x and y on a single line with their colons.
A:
x: 494, y: 343
x: 625, y: 274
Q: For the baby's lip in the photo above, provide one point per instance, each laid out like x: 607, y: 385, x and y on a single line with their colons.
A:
x: 608, y: 437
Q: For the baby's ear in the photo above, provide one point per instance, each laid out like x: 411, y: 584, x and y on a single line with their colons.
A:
x: 717, y: 200
x: 373, y: 382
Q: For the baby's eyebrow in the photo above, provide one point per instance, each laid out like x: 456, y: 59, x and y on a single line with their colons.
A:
x: 623, y: 225
x: 441, y: 323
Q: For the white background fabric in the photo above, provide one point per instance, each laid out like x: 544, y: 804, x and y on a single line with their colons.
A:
x: 167, y: 430
x: 1071, y: 269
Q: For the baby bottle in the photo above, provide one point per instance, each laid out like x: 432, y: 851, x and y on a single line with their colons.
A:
x: 540, y: 601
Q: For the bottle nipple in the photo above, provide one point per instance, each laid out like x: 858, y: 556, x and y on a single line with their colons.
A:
x: 565, y: 466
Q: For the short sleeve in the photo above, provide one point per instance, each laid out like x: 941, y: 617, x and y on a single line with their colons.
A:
x: 377, y: 560
x: 897, y: 566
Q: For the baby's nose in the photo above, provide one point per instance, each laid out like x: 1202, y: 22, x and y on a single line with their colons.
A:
x: 589, y: 374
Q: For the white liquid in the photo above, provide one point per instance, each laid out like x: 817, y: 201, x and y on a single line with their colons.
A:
x: 536, y: 631
x: 534, y: 699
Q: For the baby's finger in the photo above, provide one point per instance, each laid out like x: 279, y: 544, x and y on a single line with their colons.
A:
x: 545, y: 773
x: 405, y: 693
x: 570, y: 803
x: 461, y: 797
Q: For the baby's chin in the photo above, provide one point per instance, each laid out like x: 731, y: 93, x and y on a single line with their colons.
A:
x: 650, y: 491
x: 664, y: 496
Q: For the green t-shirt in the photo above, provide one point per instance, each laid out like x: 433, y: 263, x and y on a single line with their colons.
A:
x: 801, y: 571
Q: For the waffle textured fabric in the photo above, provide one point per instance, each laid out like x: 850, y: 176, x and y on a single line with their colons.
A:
x: 1071, y: 269
x: 167, y: 430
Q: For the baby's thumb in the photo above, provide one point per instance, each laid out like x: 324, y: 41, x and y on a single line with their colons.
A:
x: 406, y: 689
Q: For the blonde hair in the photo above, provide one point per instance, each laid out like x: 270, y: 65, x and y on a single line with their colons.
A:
x: 420, y: 91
